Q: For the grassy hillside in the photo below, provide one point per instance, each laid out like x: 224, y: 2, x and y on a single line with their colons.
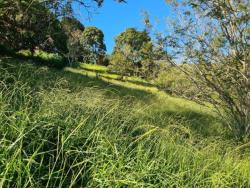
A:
x: 104, y: 72
x: 66, y: 129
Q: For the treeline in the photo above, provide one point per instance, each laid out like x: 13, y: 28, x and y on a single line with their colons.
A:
x: 35, y: 25
x: 50, y: 26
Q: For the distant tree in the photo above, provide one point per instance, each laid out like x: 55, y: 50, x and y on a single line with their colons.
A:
x: 94, y: 49
x: 135, y: 48
x: 106, y: 60
x: 119, y: 63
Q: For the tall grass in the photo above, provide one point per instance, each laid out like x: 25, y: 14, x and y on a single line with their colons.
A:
x: 60, y: 129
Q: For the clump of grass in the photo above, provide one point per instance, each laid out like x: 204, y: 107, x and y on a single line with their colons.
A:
x: 60, y: 129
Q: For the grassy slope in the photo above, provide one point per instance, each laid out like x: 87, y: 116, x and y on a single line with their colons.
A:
x: 63, y: 129
x: 105, y: 72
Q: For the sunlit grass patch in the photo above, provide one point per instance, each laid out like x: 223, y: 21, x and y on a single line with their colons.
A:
x: 94, y: 67
x: 102, y: 72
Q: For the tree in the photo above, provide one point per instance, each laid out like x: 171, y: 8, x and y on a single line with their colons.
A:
x: 214, y: 37
x: 71, y: 24
x: 134, y: 48
x: 92, y: 41
x: 28, y: 24
x: 23, y: 26
x: 74, y: 46
x: 73, y: 29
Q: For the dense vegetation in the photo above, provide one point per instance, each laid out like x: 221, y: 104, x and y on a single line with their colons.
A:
x: 64, y: 129
x: 163, y: 110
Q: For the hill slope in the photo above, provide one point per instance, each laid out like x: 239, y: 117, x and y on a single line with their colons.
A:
x: 63, y: 129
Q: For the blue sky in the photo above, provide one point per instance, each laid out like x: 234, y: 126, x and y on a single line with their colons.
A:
x: 113, y: 18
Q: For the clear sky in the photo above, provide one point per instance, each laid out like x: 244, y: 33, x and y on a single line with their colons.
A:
x: 113, y: 18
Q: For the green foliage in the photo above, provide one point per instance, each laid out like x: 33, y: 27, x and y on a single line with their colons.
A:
x: 35, y: 25
x: 175, y: 82
x: 132, y: 53
x: 106, y: 60
x: 73, y: 29
x: 66, y: 130
x: 94, y: 67
x: 84, y: 44
x: 70, y: 24
x: 92, y: 41
x: 26, y: 25
x: 120, y: 64
x: 48, y: 56
x: 74, y: 47
x: 43, y: 58
x: 213, y: 36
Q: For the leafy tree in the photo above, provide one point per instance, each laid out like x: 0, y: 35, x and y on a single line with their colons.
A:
x: 30, y: 24
x: 71, y: 24
x: 119, y: 63
x: 92, y: 41
x: 73, y: 29
x: 106, y: 60
x: 74, y: 46
x: 134, y: 48
x: 214, y: 36
x: 26, y: 25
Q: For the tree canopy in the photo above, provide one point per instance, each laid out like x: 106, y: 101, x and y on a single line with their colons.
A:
x: 134, y: 48
x: 45, y: 24
x: 92, y: 41
x: 26, y: 26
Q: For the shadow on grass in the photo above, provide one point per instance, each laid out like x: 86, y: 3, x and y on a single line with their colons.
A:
x: 200, y: 123
x: 44, y: 78
x: 36, y: 60
x: 141, y: 83
x: 113, y: 75
x: 107, y: 84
